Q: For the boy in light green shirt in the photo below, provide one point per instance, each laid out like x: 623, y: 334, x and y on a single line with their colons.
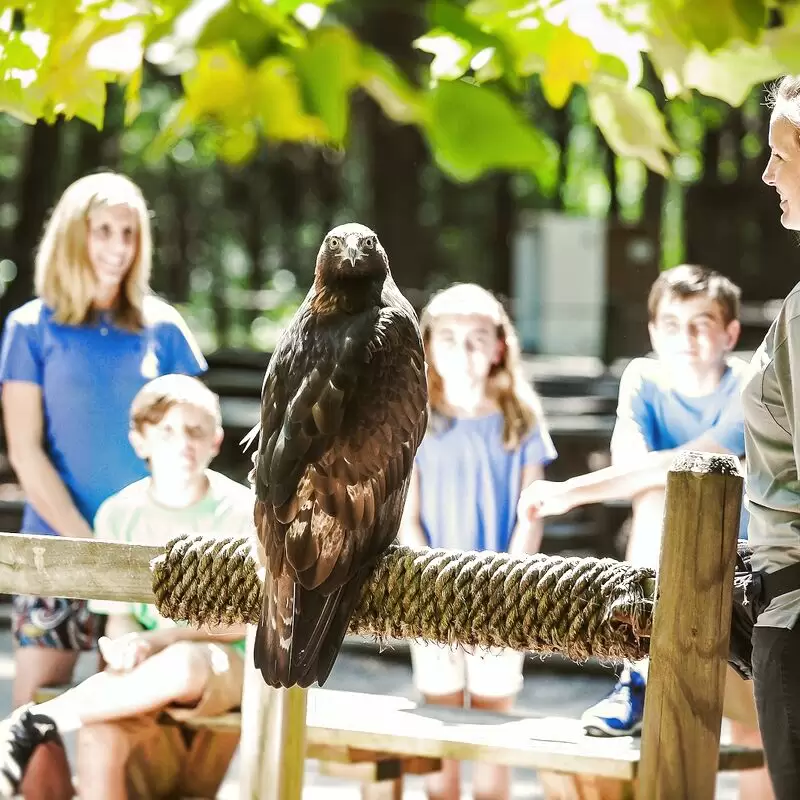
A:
x: 152, y: 663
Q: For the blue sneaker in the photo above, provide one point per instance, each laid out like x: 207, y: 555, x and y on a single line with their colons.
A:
x: 619, y: 714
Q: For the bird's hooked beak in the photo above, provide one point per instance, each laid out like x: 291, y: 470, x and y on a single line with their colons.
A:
x: 350, y: 253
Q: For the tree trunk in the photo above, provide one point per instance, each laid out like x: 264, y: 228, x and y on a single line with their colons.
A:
x: 502, y: 233
x: 100, y: 149
x: 396, y: 155
x: 562, y: 130
x: 37, y: 190
x: 182, y: 234
x: 328, y: 188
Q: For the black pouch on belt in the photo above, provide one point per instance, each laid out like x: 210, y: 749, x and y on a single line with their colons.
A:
x: 752, y: 593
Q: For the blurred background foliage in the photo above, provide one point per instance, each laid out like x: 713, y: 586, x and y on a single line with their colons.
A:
x: 253, y: 127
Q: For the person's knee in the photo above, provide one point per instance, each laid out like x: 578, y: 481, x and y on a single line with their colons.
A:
x: 188, y: 665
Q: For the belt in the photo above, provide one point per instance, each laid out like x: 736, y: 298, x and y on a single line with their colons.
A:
x: 782, y: 581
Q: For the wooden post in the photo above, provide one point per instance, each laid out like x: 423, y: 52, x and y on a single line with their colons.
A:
x: 691, y: 629
x: 273, y: 742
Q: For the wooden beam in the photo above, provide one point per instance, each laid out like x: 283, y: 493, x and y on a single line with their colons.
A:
x: 88, y: 569
x: 273, y: 741
x: 691, y: 629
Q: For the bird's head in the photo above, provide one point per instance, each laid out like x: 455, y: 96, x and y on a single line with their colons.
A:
x: 351, y: 251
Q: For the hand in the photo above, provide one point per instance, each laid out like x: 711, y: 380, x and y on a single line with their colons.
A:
x: 544, y: 499
x: 127, y: 652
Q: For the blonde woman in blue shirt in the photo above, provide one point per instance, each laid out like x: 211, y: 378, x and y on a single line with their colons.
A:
x: 71, y: 362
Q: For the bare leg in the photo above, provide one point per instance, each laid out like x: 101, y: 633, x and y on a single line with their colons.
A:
x: 48, y: 776
x: 35, y: 667
x: 178, y: 674
x: 445, y: 785
x: 103, y: 752
x: 491, y: 781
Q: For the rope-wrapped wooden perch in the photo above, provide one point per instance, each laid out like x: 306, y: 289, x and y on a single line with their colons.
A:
x: 580, y: 607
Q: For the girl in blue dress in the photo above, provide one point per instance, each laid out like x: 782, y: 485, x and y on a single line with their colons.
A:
x: 486, y: 442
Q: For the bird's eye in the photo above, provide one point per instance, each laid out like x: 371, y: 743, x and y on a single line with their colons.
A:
x: 335, y: 243
x: 369, y: 243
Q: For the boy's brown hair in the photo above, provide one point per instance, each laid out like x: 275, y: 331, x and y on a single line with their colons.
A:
x: 691, y: 280
x: 157, y: 397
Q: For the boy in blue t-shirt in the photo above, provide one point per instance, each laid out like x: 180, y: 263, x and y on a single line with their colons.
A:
x: 686, y: 398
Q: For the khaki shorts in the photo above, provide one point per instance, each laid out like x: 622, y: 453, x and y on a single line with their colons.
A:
x: 158, y: 754
x: 440, y: 670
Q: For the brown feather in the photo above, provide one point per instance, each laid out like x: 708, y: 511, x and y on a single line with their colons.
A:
x: 343, y: 411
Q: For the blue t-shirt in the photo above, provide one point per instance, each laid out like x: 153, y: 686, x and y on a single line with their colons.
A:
x: 469, y: 484
x: 667, y: 419
x: 89, y: 375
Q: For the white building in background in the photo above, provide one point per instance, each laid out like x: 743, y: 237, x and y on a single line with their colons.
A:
x: 559, y: 283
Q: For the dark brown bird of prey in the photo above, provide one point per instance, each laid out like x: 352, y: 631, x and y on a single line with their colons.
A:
x: 343, y: 410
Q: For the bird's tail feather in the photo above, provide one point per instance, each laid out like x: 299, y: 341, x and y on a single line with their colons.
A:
x: 301, y: 631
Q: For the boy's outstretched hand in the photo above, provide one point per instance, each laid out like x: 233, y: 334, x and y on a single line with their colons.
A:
x: 126, y: 652
x: 544, y: 499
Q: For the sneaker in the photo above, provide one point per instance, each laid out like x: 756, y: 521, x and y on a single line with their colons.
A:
x: 20, y: 734
x: 619, y: 714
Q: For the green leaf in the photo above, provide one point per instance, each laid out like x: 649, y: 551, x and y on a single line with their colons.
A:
x: 753, y: 16
x: 237, y: 145
x: 329, y: 68
x: 730, y: 74
x: 451, y: 18
x: 389, y: 88
x: 631, y: 123
x: 219, y: 85
x: 570, y: 59
x: 164, y: 13
x: 133, y: 100
x: 16, y: 101
x: 280, y: 105
x: 18, y: 54
x: 784, y: 44
x: 476, y: 129
x: 455, y: 39
x: 451, y: 55
x: 668, y: 54
x: 250, y: 32
x: 712, y: 23
x: 91, y: 105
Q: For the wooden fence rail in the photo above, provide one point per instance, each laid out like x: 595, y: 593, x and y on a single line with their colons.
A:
x: 683, y: 712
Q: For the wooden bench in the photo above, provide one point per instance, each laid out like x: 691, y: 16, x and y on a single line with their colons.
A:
x: 205, y: 746
x: 377, y: 740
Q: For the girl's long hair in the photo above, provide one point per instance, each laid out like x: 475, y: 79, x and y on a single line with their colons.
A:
x: 64, y: 277
x: 505, y: 385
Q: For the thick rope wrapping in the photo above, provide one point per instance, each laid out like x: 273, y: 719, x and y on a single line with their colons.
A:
x: 579, y: 607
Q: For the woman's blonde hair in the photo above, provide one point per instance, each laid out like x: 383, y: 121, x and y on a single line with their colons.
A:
x: 64, y: 277
x: 506, y: 385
